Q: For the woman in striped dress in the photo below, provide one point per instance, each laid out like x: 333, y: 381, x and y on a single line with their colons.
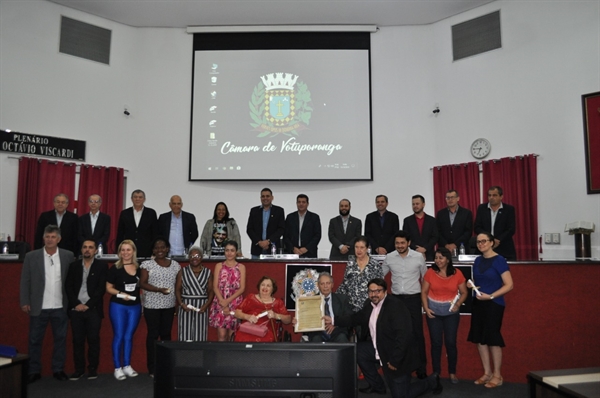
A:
x: 194, y: 287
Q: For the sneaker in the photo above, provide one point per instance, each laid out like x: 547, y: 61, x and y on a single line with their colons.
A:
x: 76, y: 376
x: 92, y: 375
x: 119, y: 374
x: 129, y: 372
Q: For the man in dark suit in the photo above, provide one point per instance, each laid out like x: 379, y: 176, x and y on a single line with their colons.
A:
x: 380, y: 227
x: 498, y: 219
x: 66, y: 221
x: 139, y: 224
x: 422, y: 229
x: 302, y: 230
x: 454, y: 223
x: 95, y: 225
x: 43, y: 297
x: 266, y: 224
x: 178, y: 227
x: 85, y: 287
x: 335, y: 305
x: 387, y: 328
x: 343, y: 232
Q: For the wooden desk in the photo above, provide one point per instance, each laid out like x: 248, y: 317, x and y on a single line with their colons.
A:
x: 13, y: 377
x: 576, y: 383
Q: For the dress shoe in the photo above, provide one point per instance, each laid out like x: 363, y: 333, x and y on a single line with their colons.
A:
x: 453, y: 379
x: 369, y: 390
x: 32, y: 378
x: 62, y: 376
x: 92, y: 375
x: 76, y: 376
x: 421, y: 374
x: 437, y: 390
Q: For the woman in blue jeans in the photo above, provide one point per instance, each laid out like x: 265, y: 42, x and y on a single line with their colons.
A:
x: 123, y: 284
x: 441, y: 285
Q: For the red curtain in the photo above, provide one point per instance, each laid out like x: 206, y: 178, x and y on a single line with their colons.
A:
x: 108, y: 183
x: 518, y: 178
x: 464, y: 178
x: 39, y: 181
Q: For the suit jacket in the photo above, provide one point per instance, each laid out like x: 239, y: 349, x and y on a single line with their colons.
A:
x: 504, y: 228
x: 101, y: 233
x: 190, y: 228
x: 341, y: 307
x: 395, y: 341
x: 381, y: 236
x: 33, y: 279
x: 275, y: 227
x: 68, y: 230
x: 337, y: 237
x: 141, y: 235
x: 427, y: 239
x: 310, y: 236
x: 459, y: 232
x: 96, y: 285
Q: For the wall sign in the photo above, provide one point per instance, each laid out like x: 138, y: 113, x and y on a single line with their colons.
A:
x: 591, y: 131
x: 41, y: 145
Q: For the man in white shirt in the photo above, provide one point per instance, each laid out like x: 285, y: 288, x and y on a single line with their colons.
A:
x: 44, y: 299
x: 95, y: 225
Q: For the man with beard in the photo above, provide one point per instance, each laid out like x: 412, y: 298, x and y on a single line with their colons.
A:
x: 422, y: 229
x: 85, y: 287
x: 343, y: 231
x: 266, y: 224
x: 408, y: 268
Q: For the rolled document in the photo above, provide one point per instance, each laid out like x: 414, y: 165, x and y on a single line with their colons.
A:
x: 191, y: 307
x: 474, y: 287
x: 123, y: 296
x: 453, y: 302
x: 264, y: 313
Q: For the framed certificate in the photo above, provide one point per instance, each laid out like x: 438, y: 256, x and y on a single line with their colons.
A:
x: 309, y: 314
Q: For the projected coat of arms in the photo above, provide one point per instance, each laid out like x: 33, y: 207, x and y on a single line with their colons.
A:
x: 280, y: 104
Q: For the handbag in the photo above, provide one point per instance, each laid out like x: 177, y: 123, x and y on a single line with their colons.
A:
x: 254, y: 329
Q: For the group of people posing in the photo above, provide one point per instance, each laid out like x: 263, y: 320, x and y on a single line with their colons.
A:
x: 269, y: 229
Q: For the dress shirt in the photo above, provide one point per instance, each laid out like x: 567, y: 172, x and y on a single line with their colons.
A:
x: 345, y: 222
x: 373, y: 324
x: 53, y: 286
x: 176, y: 235
x: 452, y: 215
x: 266, y: 216
x: 94, y: 219
x: 300, y: 222
x: 59, y: 218
x: 407, y: 272
x: 137, y: 216
x: 494, y: 214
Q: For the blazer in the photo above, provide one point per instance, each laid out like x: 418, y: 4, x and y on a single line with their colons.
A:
x: 275, y: 227
x: 68, y: 230
x: 96, y: 285
x: 233, y: 233
x: 101, y: 232
x: 33, y: 279
x: 504, y: 228
x: 141, y: 235
x: 189, y: 226
x: 395, y: 341
x: 341, y: 307
x: 381, y: 236
x: 310, y: 236
x: 337, y: 237
x: 427, y: 239
x: 459, y: 232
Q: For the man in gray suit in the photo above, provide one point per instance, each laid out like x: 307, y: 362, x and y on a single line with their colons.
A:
x: 44, y: 299
x: 343, y: 231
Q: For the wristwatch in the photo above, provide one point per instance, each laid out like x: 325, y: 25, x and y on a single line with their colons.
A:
x: 491, y: 297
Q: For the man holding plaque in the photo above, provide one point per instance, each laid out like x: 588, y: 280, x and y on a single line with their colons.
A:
x: 335, y: 305
x: 391, y: 345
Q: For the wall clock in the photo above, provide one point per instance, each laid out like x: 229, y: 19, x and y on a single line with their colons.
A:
x: 480, y: 148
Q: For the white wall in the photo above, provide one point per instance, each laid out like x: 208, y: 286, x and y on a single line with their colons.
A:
x: 524, y: 97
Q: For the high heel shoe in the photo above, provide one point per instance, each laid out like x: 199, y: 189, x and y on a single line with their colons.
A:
x: 483, y: 379
x: 491, y: 384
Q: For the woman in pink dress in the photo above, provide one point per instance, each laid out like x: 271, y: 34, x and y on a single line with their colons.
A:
x: 229, y: 284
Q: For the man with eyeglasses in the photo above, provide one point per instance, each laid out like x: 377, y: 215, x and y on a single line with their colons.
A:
x: 43, y: 297
x: 95, y: 225
x: 408, y: 268
x: 454, y: 223
x: 497, y: 218
x: 389, y: 344
x: 64, y: 219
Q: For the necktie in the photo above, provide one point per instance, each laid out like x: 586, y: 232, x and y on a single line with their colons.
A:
x: 327, y: 336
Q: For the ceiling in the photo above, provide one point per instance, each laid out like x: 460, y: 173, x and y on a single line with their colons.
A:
x: 184, y: 13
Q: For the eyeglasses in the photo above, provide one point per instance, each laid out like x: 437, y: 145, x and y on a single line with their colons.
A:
x: 376, y: 291
x: 450, y: 197
x: 481, y: 242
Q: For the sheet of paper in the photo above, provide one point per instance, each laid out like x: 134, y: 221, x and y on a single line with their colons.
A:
x: 309, y: 314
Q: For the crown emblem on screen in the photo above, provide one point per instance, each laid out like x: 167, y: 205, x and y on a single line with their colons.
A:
x: 277, y: 81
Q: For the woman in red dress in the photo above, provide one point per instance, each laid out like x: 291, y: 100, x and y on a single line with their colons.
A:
x: 264, y: 310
